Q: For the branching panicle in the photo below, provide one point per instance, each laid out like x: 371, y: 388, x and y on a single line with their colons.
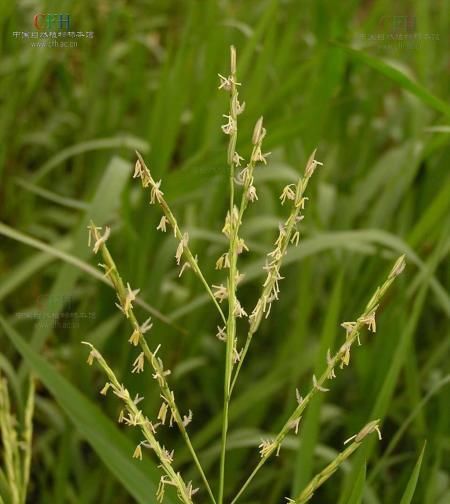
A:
x: 241, y: 178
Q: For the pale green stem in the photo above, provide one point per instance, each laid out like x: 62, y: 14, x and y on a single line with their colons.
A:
x: 325, y: 474
x: 9, y: 440
x: 27, y: 438
x: 231, y: 322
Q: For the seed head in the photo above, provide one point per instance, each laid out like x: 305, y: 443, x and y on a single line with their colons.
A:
x: 138, y: 452
x: 398, y: 268
x: 138, y: 364
x: 105, y: 389
x: 259, y: 132
x: 373, y: 426
x: 162, y: 226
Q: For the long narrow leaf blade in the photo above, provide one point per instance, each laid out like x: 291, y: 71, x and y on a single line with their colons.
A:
x: 411, y: 486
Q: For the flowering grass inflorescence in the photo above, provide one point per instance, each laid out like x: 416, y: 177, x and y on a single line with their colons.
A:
x: 240, y: 176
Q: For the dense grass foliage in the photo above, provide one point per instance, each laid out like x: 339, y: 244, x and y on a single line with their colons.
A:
x: 319, y: 73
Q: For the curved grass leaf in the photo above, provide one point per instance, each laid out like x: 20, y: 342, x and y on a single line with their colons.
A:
x: 118, y: 142
x: 51, y: 251
x: 400, y: 78
x: 411, y: 487
x: 358, y: 489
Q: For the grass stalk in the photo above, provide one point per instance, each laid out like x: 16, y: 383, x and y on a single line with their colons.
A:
x: 320, y: 478
x: 126, y: 296
x: 147, y: 180
x: 231, y: 321
x: 137, y: 419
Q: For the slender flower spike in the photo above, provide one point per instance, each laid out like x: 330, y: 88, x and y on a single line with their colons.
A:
x: 239, y: 312
x: 220, y: 292
x: 156, y: 194
x: 121, y: 392
x: 227, y: 82
x: 365, y: 431
x: 162, y: 226
x: 99, y: 239
x: 259, y: 156
x: 93, y: 354
x: 349, y: 327
x: 138, y: 364
x: 259, y: 132
x: 162, y: 415
x: 288, y: 193
x: 236, y: 354
x: 138, y: 452
x: 223, y: 261
x: 295, y: 238
x: 137, y: 399
x: 241, y: 246
x: 398, y: 268
x: 135, y: 338
x: 266, y: 446
x: 137, y: 169
x: 370, y: 321
x: 230, y: 127
x: 93, y: 233
x: 181, y: 246
x: 187, y: 419
x: 131, y: 296
x: 317, y: 386
x: 296, y: 424
x: 311, y: 165
x: 251, y: 193
x: 185, y: 266
x: 237, y: 159
x: 166, y: 455
x: 330, y: 364
x: 221, y: 333
x: 134, y: 419
x: 146, y: 326
x: 345, y: 354
x: 105, y: 389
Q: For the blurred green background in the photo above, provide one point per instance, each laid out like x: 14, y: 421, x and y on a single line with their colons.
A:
x: 364, y: 81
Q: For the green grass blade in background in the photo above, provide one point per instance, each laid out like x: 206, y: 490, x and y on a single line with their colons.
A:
x: 104, y: 203
x: 21, y: 273
x: 311, y: 423
x: 128, y: 142
x: 358, y: 489
x: 113, y: 447
x: 411, y: 487
x: 400, y: 78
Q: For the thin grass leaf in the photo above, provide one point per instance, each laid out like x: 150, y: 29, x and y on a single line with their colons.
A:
x: 358, y: 489
x: 119, y: 142
x: 399, y: 78
x: 412, y: 483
